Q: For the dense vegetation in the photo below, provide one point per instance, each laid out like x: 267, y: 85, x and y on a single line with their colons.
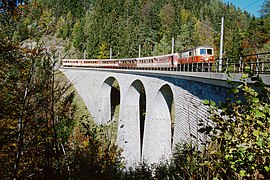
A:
x: 41, y: 137
x: 41, y: 134
x: 96, y: 26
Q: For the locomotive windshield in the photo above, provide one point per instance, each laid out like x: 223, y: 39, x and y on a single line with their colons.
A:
x: 209, y: 51
x: 206, y: 51
x: 202, y: 51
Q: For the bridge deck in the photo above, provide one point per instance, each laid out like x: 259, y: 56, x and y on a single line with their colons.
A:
x: 213, y: 78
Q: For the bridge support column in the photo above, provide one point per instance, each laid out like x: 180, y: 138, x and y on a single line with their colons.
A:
x: 158, y: 137
x: 129, y: 124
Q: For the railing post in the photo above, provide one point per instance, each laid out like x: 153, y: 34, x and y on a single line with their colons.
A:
x: 257, y: 64
x: 227, y: 65
x: 240, y: 64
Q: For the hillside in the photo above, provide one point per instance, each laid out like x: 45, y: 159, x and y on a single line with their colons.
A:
x: 94, y: 27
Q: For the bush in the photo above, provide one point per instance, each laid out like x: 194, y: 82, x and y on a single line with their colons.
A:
x: 240, y: 139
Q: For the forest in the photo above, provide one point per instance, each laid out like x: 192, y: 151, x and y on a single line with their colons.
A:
x: 94, y: 27
x: 45, y: 135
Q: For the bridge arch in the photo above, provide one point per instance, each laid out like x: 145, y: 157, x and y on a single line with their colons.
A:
x: 159, y: 123
x: 108, y: 99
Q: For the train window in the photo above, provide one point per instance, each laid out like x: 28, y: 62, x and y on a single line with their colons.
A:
x: 190, y: 53
x: 209, y: 51
x: 202, y: 51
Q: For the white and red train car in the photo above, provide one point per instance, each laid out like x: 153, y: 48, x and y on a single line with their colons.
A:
x: 191, y: 58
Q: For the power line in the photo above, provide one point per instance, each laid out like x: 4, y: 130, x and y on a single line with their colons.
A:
x: 239, y: 6
x: 208, y: 27
x: 251, y: 4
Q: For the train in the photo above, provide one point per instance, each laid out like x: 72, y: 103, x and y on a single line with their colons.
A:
x: 198, y: 58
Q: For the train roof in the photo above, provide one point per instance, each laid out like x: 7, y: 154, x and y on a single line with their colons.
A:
x: 194, y: 48
x: 98, y: 59
x: 152, y: 57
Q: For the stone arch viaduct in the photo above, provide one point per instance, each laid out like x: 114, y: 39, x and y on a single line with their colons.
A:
x: 156, y: 112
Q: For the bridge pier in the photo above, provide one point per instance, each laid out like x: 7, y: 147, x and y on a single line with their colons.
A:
x: 129, y: 123
x: 158, y: 137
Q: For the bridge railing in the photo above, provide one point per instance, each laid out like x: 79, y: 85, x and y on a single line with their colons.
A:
x: 257, y: 63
